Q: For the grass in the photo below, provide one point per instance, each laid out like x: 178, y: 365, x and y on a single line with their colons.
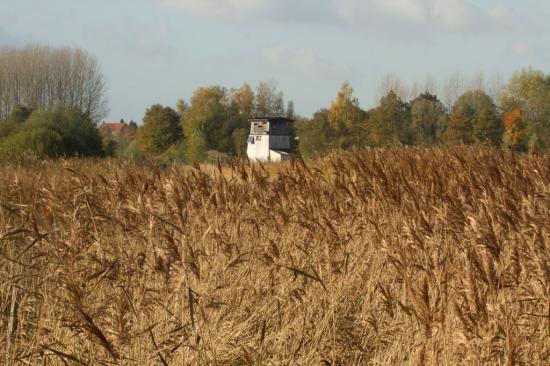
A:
x: 413, y: 257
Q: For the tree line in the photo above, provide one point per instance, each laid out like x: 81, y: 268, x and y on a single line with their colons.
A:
x: 514, y: 116
x: 214, y: 124
x: 51, y: 101
x: 518, y: 118
x: 40, y: 77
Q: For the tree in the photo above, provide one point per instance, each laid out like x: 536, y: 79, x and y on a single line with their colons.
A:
x: 428, y: 119
x: 487, y: 127
x: 452, y: 89
x: 181, y: 107
x: 290, y: 113
x: 392, y: 83
x: 196, y: 148
x: 474, y: 119
x: 243, y: 99
x: 239, y: 136
x: 42, y: 78
x: 60, y: 132
x: 207, y: 115
x: 389, y: 123
x: 344, y: 113
x: 160, y: 129
x: 515, y: 132
x: 269, y: 101
x: 315, y: 137
x: 529, y: 90
x: 459, y: 129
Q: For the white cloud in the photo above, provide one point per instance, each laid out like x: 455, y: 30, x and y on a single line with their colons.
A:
x: 301, y: 61
x: 452, y: 14
x: 236, y: 10
x: 411, y: 10
x: 404, y: 18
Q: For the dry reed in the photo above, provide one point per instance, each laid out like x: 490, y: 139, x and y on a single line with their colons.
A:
x: 413, y: 257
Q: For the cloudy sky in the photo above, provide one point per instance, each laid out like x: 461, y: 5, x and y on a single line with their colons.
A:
x: 157, y: 51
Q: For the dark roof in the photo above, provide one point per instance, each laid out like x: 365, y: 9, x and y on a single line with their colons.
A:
x: 271, y: 119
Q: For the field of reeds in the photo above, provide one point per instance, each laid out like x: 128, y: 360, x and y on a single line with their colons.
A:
x: 403, y: 257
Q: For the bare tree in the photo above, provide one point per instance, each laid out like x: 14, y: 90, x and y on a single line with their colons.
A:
x: 452, y: 89
x: 269, y: 101
x: 44, y: 77
x: 393, y: 83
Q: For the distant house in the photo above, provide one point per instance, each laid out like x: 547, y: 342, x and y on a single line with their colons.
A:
x: 117, y: 130
x: 269, y: 139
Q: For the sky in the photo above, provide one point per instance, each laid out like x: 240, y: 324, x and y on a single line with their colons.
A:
x: 159, y: 51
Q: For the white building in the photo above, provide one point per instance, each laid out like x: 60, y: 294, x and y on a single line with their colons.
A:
x: 269, y: 139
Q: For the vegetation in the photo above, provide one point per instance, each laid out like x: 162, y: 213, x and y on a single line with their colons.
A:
x: 57, y: 133
x: 400, y: 257
x: 214, y: 123
x: 48, y: 78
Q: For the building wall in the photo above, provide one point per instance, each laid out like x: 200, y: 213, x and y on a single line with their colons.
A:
x: 279, y: 142
x: 265, y: 137
x: 259, y: 150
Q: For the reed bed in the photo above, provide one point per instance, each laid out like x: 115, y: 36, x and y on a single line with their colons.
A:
x: 395, y: 257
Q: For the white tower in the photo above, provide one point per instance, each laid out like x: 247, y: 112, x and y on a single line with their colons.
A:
x: 269, y: 139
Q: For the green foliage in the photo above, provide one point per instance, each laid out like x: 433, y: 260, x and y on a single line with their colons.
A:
x: 62, y: 132
x: 176, y: 153
x: 428, y: 120
x: 161, y: 129
x: 243, y: 100
x: 314, y: 135
x: 340, y: 127
x: 269, y: 101
x: 110, y: 146
x: 132, y: 152
x: 344, y: 113
x: 239, y: 136
x: 487, y: 128
x: 196, y: 147
x: 474, y: 119
x: 389, y: 123
x: 216, y: 115
x: 290, y: 113
x: 529, y: 90
x: 19, y: 114
x: 7, y: 128
x: 213, y: 157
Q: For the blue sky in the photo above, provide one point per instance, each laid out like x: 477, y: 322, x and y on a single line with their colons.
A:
x: 157, y: 51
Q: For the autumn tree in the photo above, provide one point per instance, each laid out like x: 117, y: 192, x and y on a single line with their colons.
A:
x: 207, y: 116
x: 344, y: 112
x: 269, y: 101
x: 315, y: 135
x: 243, y: 100
x: 474, y: 119
x: 428, y: 120
x: 195, y: 149
x: 161, y: 129
x: 529, y: 90
x: 220, y: 117
x: 515, y: 132
x: 389, y: 123
x: 290, y: 113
